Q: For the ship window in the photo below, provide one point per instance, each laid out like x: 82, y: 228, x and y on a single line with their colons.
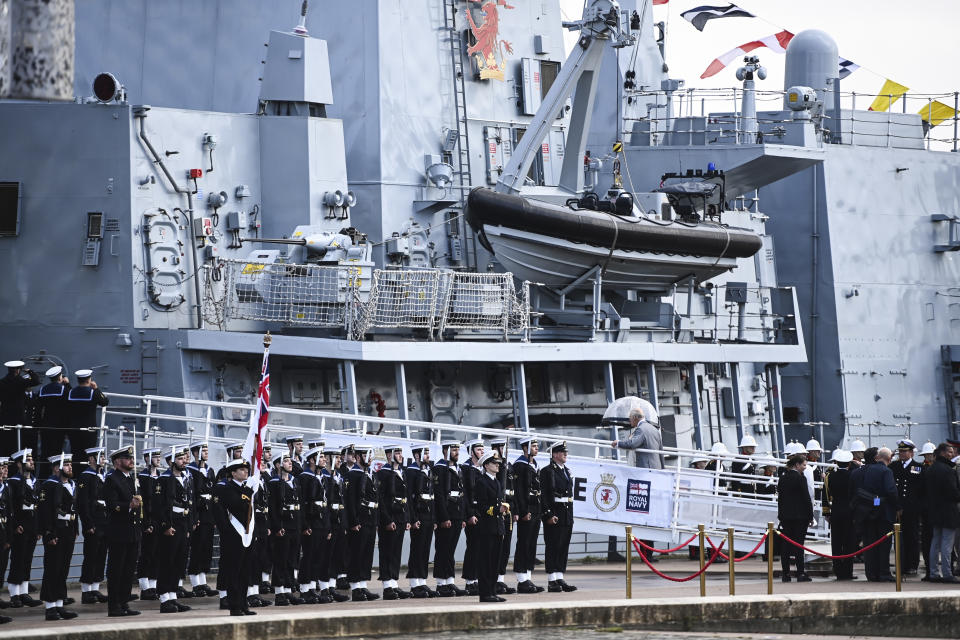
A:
x: 9, y: 209
x: 549, y: 70
x: 791, y: 414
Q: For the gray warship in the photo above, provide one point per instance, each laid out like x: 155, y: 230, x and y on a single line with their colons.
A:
x: 442, y: 218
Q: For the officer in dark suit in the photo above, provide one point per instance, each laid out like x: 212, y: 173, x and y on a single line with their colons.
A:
x: 490, y: 526
x: 22, y: 527
x: 420, y: 500
x: 875, y: 508
x: 52, y: 416
x: 172, y: 506
x: 57, y: 520
x: 908, y: 476
x: 235, y: 515
x: 121, y: 492
x: 836, y: 509
x: 13, y: 405
x: 333, y: 484
x: 795, y: 512
x: 527, y: 497
x: 508, y: 492
x: 471, y: 471
x: 284, y: 529
x: 394, y: 520
x: 201, y: 538
x: 361, y: 507
x: 147, y: 562
x: 557, y: 514
x: 92, y: 510
x: 82, y: 403
x: 448, y: 497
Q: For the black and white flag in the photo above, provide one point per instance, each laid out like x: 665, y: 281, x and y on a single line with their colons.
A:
x: 847, y: 67
x: 699, y: 16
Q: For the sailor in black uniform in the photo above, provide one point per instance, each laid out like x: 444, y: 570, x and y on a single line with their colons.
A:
x: 448, y: 493
x: 490, y: 526
x: 836, y: 509
x: 557, y: 514
x: 361, y: 507
x: 174, y: 515
x: 394, y: 520
x: 316, y: 524
x: 147, y: 563
x: 92, y: 510
x: 508, y: 494
x: 235, y: 515
x: 337, y: 549
x: 261, y: 563
x: 471, y: 471
x: 420, y: 502
x: 201, y: 538
x: 285, y: 526
x: 527, y: 497
x: 82, y: 403
x: 121, y: 491
x: 52, y: 416
x: 57, y: 523
x: 748, y: 446
x: 22, y: 527
x: 342, y: 561
x: 4, y: 526
x: 295, y: 450
x: 13, y: 405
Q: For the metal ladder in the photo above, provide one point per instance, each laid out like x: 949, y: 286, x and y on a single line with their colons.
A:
x: 460, y: 157
x: 149, y: 366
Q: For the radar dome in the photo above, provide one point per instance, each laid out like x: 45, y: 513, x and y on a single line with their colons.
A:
x: 812, y: 58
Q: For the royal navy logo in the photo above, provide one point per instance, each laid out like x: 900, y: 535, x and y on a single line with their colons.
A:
x: 606, y: 496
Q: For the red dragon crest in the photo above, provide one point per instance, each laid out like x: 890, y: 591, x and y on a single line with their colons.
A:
x: 489, y: 48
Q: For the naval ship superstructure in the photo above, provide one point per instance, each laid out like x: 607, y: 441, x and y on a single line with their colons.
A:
x: 214, y: 188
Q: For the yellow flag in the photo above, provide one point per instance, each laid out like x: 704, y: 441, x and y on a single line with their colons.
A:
x: 936, y: 112
x: 888, y: 95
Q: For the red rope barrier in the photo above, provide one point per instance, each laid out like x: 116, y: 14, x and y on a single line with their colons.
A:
x: 671, y: 578
x: 682, y: 545
x: 846, y: 555
x: 726, y: 557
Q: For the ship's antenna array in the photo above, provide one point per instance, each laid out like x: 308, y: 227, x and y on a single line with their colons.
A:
x: 301, y: 28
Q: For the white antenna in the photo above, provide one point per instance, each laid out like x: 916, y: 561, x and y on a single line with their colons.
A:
x: 301, y: 28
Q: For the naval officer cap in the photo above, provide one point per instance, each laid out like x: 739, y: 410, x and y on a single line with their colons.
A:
x: 54, y: 372
x: 490, y: 457
x: 22, y: 455
x: 13, y: 364
x: 60, y: 459
x: 347, y: 448
x: 906, y: 444
x: 239, y: 463
x: 558, y: 447
x: 83, y: 373
x: 122, y: 452
x: 95, y: 451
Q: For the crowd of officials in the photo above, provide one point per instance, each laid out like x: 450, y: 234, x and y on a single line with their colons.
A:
x: 304, y: 529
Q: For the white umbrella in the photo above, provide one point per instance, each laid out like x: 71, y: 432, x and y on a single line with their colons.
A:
x: 619, y: 410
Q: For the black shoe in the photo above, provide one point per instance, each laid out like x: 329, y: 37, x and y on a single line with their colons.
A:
x: 491, y: 599
x: 403, y: 594
x: 359, y: 595
x: 785, y: 578
x: 51, y: 614
x: 200, y: 591
x: 282, y: 600
x: 170, y: 606
x: 499, y: 599
x: 370, y: 594
x: 390, y: 594
x: 15, y: 602
x: 266, y: 587
x: 554, y: 586
x: 253, y: 601
x: 123, y: 612
x: 950, y: 580
x: 180, y: 607
x: 501, y: 588
x: 223, y: 605
x: 325, y: 597
x: 100, y: 597
x: 457, y: 591
x: 338, y: 597
x: 5, y: 619
x: 431, y: 592
x: 445, y: 591
x: 28, y: 601
x: 473, y: 588
x: 247, y: 612
x: 507, y: 589
x: 343, y: 584
x: 309, y: 597
x: 565, y: 586
x: 910, y: 572
x: 804, y: 578
x: 419, y: 592
x: 526, y: 587
x: 88, y: 597
x: 238, y: 612
x: 149, y: 594
x: 66, y: 601
x: 294, y: 599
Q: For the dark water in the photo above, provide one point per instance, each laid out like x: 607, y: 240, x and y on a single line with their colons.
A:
x: 615, y: 633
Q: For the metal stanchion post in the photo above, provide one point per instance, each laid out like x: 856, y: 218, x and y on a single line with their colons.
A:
x: 769, y: 558
x: 703, y: 575
x: 629, y: 562
x: 732, y: 561
x: 896, y: 553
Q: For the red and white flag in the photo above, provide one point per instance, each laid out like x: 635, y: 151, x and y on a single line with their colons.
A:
x: 777, y: 42
x: 253, y: 447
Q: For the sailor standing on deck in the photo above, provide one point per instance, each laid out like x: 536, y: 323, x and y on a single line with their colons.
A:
x: 748, y: 446
x: 82, y: 403
x: 147, y: 563
x: 52, y: 419
x: 471, y: 471
x: 316, y: 524
x: 557, y: 515
x: 507, y: 491
x: 420, y: 500
x: 295, y: 447
x: 490, y: 526
x: 201, y: 540
x: 332, y: 559
x: 527, y: 497
x: 448, y: 493
x: 361, y: 508
x: 57, y: 517
x: 394, y: 520
x: 284, y: 529
x: 22, y: 527
x: 13, y: 403
x: 235, y: 515
x: 93, y: 522
x: 124, y: 530
x: 174, y: 514
x: 4, y: 524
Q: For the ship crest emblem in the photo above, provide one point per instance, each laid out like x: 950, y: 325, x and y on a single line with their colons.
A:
x: 489, y: 51
x: 606, y: 496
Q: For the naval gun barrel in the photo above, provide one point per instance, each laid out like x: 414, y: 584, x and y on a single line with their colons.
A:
x: 297, y: 241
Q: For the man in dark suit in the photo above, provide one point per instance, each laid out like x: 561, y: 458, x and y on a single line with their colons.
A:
x: 795, y: 511
x: 490, y: 526
x: 235, y: 516
x: 121, y: 492
x: 836, y: 508
x: 557, y: 515
x: 875, y: 508
x: 941, y: 490
x: 908, y: 476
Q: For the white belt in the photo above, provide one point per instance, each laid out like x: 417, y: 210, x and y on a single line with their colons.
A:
x: 568, y: 499
x: 66, y: 516
x: 320, y: 503
x: 454, y: 494
x: 426, y: 496
x: 372, y: 505
x: 336, y: 506
x: 291, y: 507
x: 181, y: 510
x: 28, y: 507
x: 508, y: 492
x: 102, y: 503
x: 205, y: 496
x: 401, y: 500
